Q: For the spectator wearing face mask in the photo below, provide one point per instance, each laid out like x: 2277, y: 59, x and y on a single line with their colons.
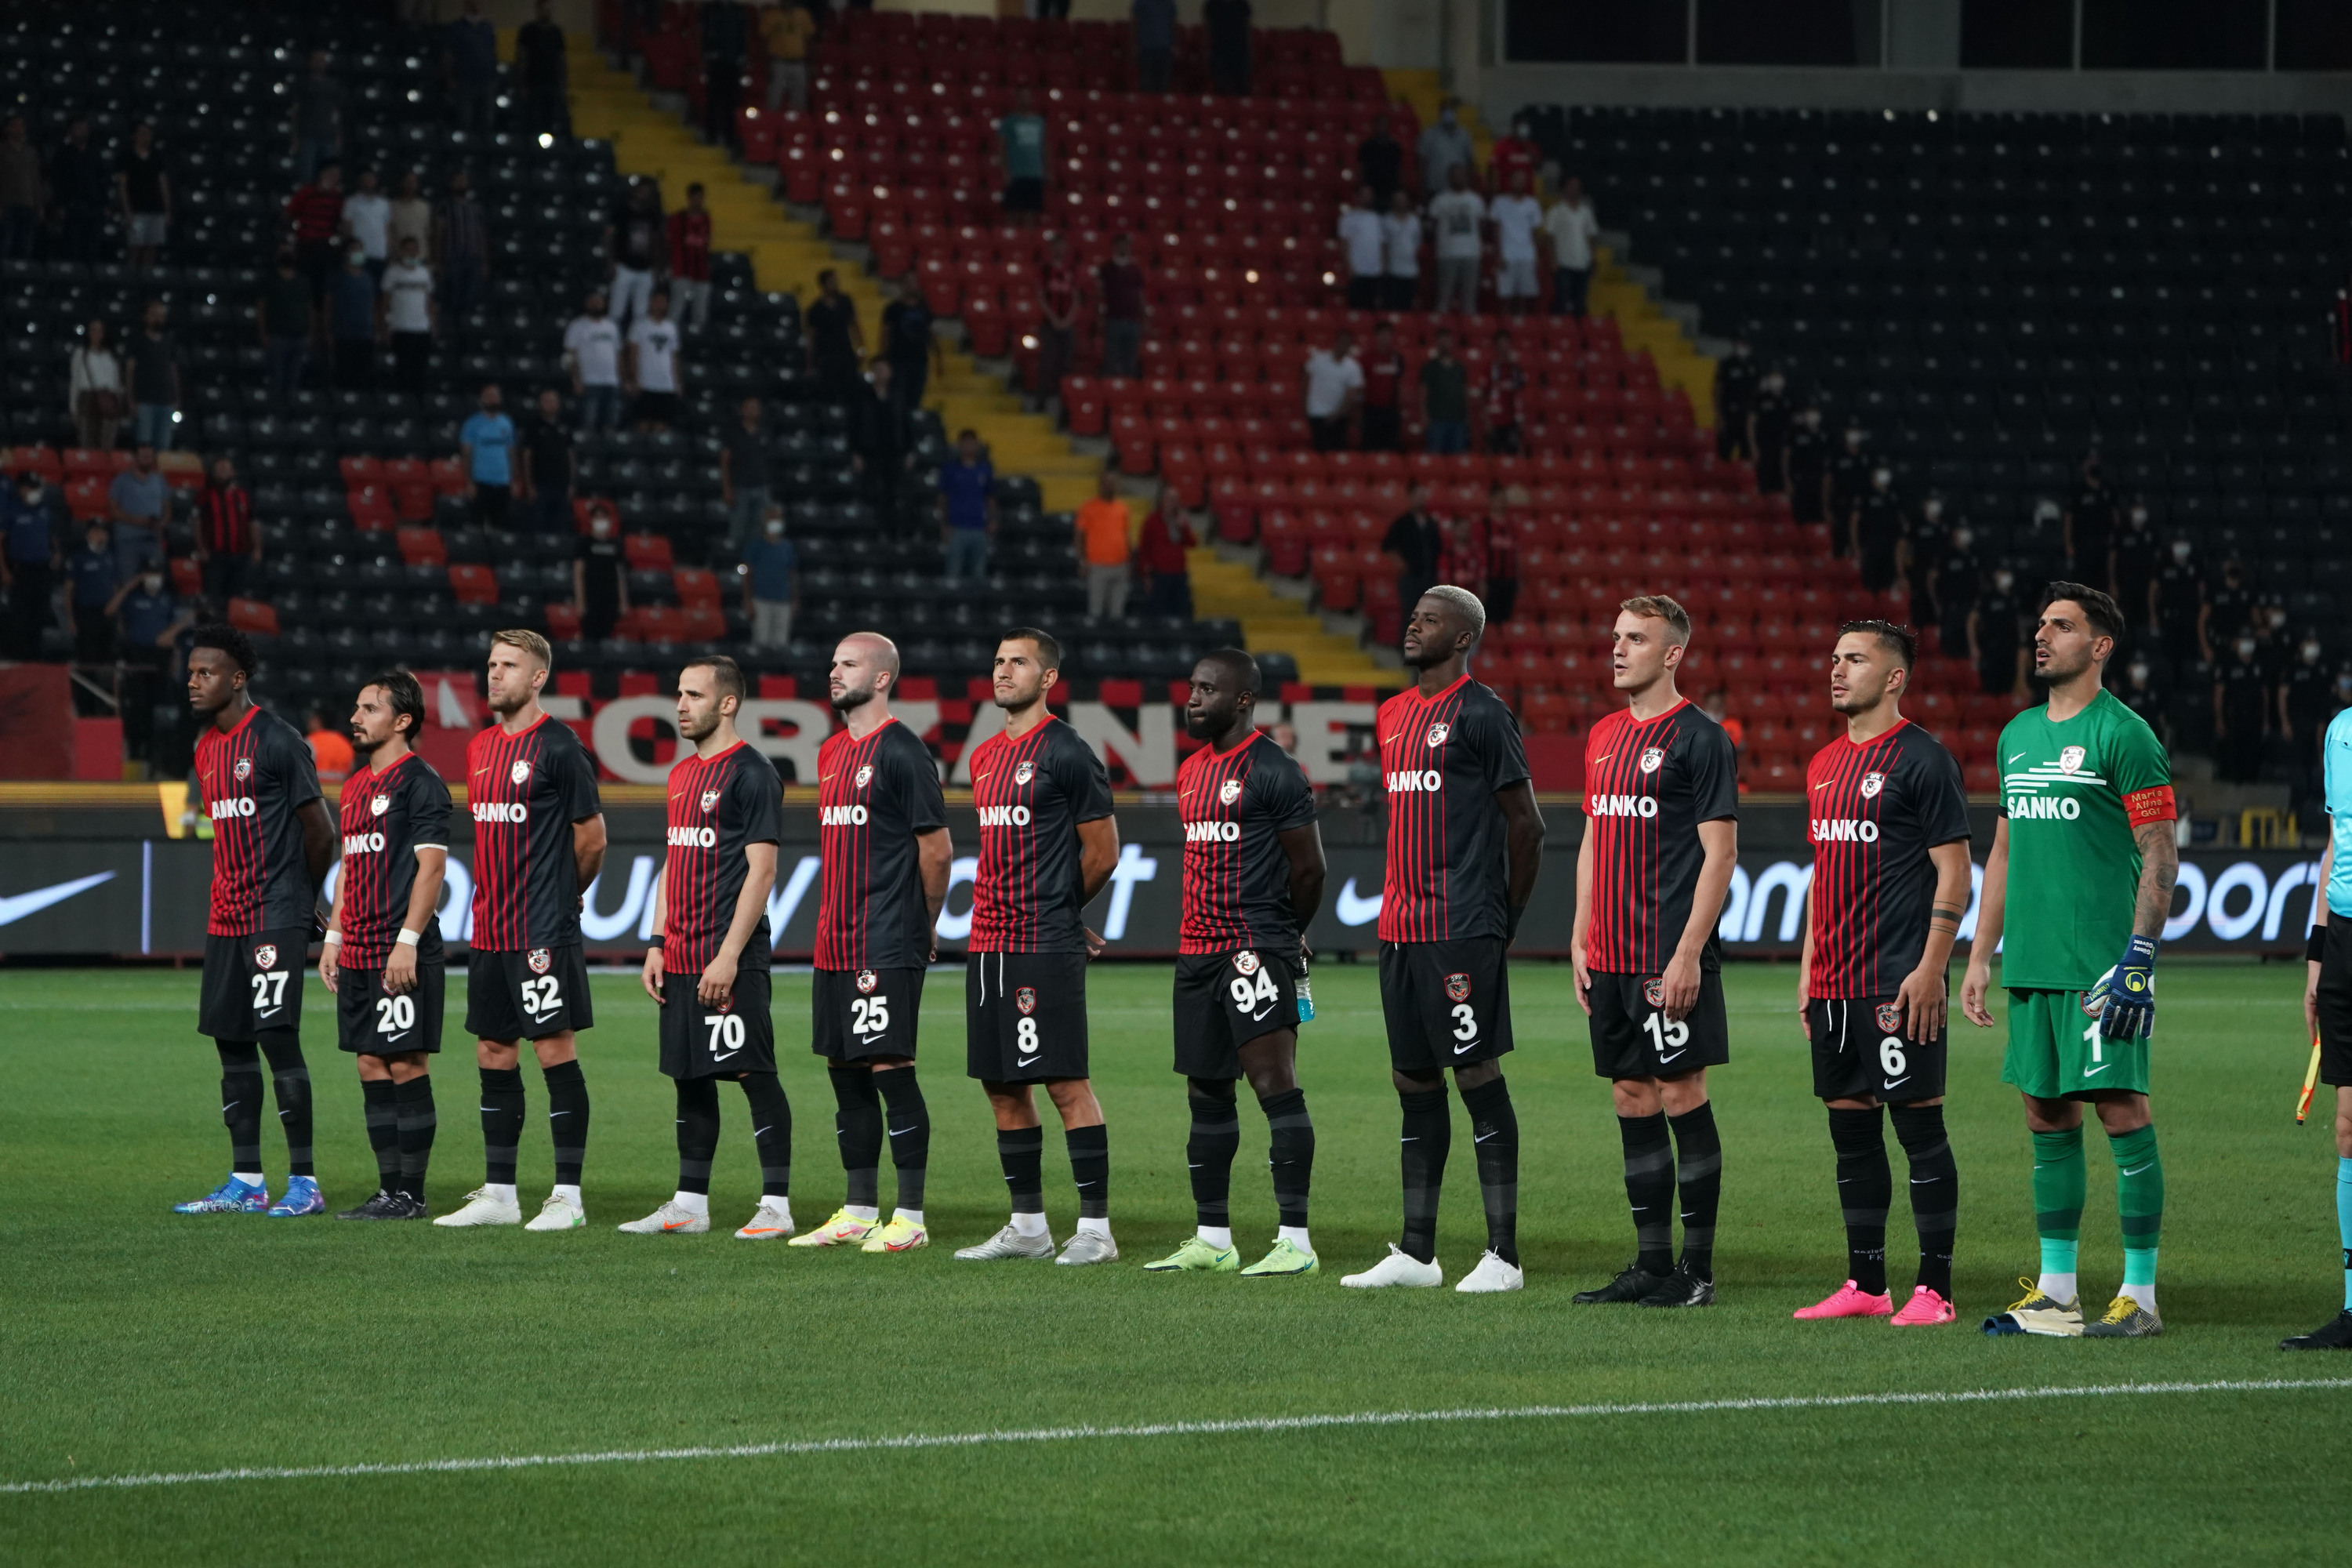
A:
x: 93, y: 576
x: 1514, y: 156
x: 2229, y: 610
x: 1924, y: 542
x: 2241, y: 705
x: 32, y: 525
x: 1807, y: 465
x: 2133, y: 555
x: 1735, y: 375
x: 2091, y: 527
x: 2139, y: 692
x: 1849, y: 477
x: 772, y: 584
x: 1444, y: 146
x: 1877, y: 527
x: 1994, y: 641
x: 2306, y: 698
x: 1767, y: 432
x: 2179, y: 597
x: 147, y: 618
x: 1955, y: 586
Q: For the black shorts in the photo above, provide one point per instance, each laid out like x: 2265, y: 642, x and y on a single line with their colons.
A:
x: 1225, y: 1000
x: 1632, y: 1038
x: 514, y: 996
x: 372, y: 1024
x: 1447, y: 1004
x: 1024, y: 1016
x: 253, y: 985
x: 855, y: 1014
x: 1860, y: 1052
x: 2335, y: 1001
x: 737, y: 1037
x: 1025, y: 195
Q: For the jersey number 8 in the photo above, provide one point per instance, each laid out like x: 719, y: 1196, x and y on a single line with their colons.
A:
x: 1248, y: 993
x: 395, y: 1013
x: 869, y: 1015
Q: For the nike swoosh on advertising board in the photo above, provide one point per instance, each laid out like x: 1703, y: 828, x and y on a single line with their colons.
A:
x: 17, y: 906
x: 1353, y: 909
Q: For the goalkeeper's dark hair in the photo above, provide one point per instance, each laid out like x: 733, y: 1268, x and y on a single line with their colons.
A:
x: 403, y: 696
x: 226, y: 639
x: 1900, y: 641
x: 2106, y: 617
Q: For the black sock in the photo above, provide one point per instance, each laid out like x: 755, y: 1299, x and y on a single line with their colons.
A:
x: 1209, y: 1151
x: 503, y: 1108
x: 1495, y: 1131
x: 1290, y: 1150
x: 1021, y: 1152
x: 567, y: 1118
x: 1090, y: 1169
x: 698, y: 1132
x: 1935, y: 1191
x: 383, y: 1129
x: 771, y: 1132
x: 1650, y: 1189
x: 289, y: 1078
x: 413, y: 1105
x: 1427, y: 1136
x: 241, y: 1102
x: 907, y: 1121
x: 1698, y: 1173
x: 1865, y: 1189
x: 857, y: 1117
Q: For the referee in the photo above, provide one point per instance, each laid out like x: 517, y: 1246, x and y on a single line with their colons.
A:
x: 2327, y: 1009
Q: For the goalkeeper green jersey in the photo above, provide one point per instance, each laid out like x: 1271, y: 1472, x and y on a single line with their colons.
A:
x: 2072, y: 793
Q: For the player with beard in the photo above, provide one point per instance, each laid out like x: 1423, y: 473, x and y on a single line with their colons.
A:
x: 539, y: 841
x: 383, y: 962
x: 1047, y: 845
x: 1463, y: 843
x: 709, y: 969
x: 884, y: 850
x: 1253, y: 878
x: 271, y: 846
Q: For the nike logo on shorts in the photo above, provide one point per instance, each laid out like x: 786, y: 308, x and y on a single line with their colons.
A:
x: 2093, y: 1072
x: 1459, y: 1050
x: 1898, y: 1082
x: 1664, y: 1057
x: 402, y: 1035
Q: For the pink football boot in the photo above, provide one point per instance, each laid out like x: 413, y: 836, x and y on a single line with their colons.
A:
x: 1850, y: 1301
x: 1924, y: 1310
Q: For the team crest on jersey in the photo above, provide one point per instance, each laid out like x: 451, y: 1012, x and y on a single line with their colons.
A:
x: 1024, y: 772
x: 266, y: 956
x: 1230, y: 791
x: 1458, y: 988
x: 540, y: 960
x: 1246, y: 960
x: 1890, y: 1017
x: 1653, y: 993
x: 865, y: 775
x: 519, y: 772
x: 710, y: 798
x: 379, y: 806
x: 1871, y: 784
x: 1026, y: 998
x: 868, y: 980
x: 1437, y: 733
x: 1651, y: 758
x: 2070, y: 759
x: 244, y: 769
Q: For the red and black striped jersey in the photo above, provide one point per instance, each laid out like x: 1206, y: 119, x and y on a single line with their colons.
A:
x: 874, y: 797
x: 1236, y: 806
x: 1648, y: 785
x: 255, y: 777
x: 387, y: 817
x: 1443, y: 760
x: 526, y: 790
x: 717, y: 807
x: 1032, y: 791
x: 1872, y: 812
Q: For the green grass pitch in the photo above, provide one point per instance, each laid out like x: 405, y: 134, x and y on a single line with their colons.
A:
x: 135, y: 1341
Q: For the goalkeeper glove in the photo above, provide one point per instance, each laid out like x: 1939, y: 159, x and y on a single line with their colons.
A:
x: 2123, y: 1001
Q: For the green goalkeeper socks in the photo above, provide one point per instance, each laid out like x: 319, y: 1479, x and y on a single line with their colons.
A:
x: 2139, y: 1201
x: 2058, y: 1187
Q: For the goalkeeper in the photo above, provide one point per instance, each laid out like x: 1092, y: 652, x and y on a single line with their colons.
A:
x: 2084, y: 856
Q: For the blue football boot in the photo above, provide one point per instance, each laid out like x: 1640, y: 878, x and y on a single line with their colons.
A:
x: 231, y: 1197
x: 302, y: 1196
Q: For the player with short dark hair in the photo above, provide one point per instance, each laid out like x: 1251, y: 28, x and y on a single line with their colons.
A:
x: 2083, y: 848
x: 885, y: 854
x: 1888, y: 820
x: 271, y: 846
x: 1047, y: 845
x: 1661, y: 839
x: 709, y: 969
x: 1252, y: 880
x: 539, y: 841
x: 383, y: 962
x: 1463, y: 843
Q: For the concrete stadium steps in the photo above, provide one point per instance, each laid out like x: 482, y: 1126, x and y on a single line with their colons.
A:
x: 1231, y: 590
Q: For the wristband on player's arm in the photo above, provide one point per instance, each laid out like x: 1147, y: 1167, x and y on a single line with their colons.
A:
x: 653, y: 942
x: 407, y: 938
x: 2314, y: 946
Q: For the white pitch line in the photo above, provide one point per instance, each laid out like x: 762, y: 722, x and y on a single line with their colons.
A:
x: 1238, y: 1426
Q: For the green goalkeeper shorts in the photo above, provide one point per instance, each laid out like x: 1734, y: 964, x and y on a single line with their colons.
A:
x: 2056, y: 1052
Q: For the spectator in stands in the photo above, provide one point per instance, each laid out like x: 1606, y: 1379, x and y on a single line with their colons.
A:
x: 32, y: 527
x: 330, y: 749
x: 1383, y: 393
x: 1159, y: 556
x: 1120, y: 285
x: 1513, y: 155
x: 146, y: 618
x: 23, y: 195
x: 1953, y: 586
x: 1517, y: 215
x: 1505, y: 505
x: 316, y: 211
x: 1445, y: 146
x: 143, y: 189
x: 154, y: 360
x: 1417, y: 540
x: 408, y: 321
x: 2306, y: 697
x: 1106, y: 559
x: 139, y: 506
x: 2134, y: 555
x: 367, y: 220
x: 486, y: 445
x: 1849, y: 476
x: 600, y: 577
x: 461, y: 245
x: 836, y: 344
x: 1716, y: 707
x: 966, y: 508
x: 690, y: 260
x: 95, y: 394
x: 2229, y: 610
x: 743, y: 473
x: 1334, y: 386
x: 1445, y: 399
x: 1285, y: 735
x: 2139, y: 692
x: 1457, y: 219
x: 1154, y: 22
x: 1767, y: 432
x: 81, y: 187
x: 877, y: 435
x: 1361, y: 237
x: 633, y: 242
x: 1923, y: 542
x: 1227, y: 23
x: 1806, y: 463
x: 409, y: 217
x: 911, y: 347
x: 1504, y: 394
x: 591, y: 353
x: 788, y: 29
x: 1569, y: 229
x: 1735, y: 378
x: 1995, y: 636
x: 314, y: 119
x: 654, y: 375
x: 1020, y: 149
x: 2179, y: 599
x: 772, y: 582
x: 470, y: 69
x: 2090, y: 527
x: 550, y: 468
x: 1400, y: 232
x: 229, y: 542
x: 281, y: 319
x: 1380, y: 160
x: 94, y: 575
x: 544, y: 63
x: 2241, y: 701
x: 352, y: 324
x: 726, y: 40
x: 1877, y: 525
x: 1057, y: 331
